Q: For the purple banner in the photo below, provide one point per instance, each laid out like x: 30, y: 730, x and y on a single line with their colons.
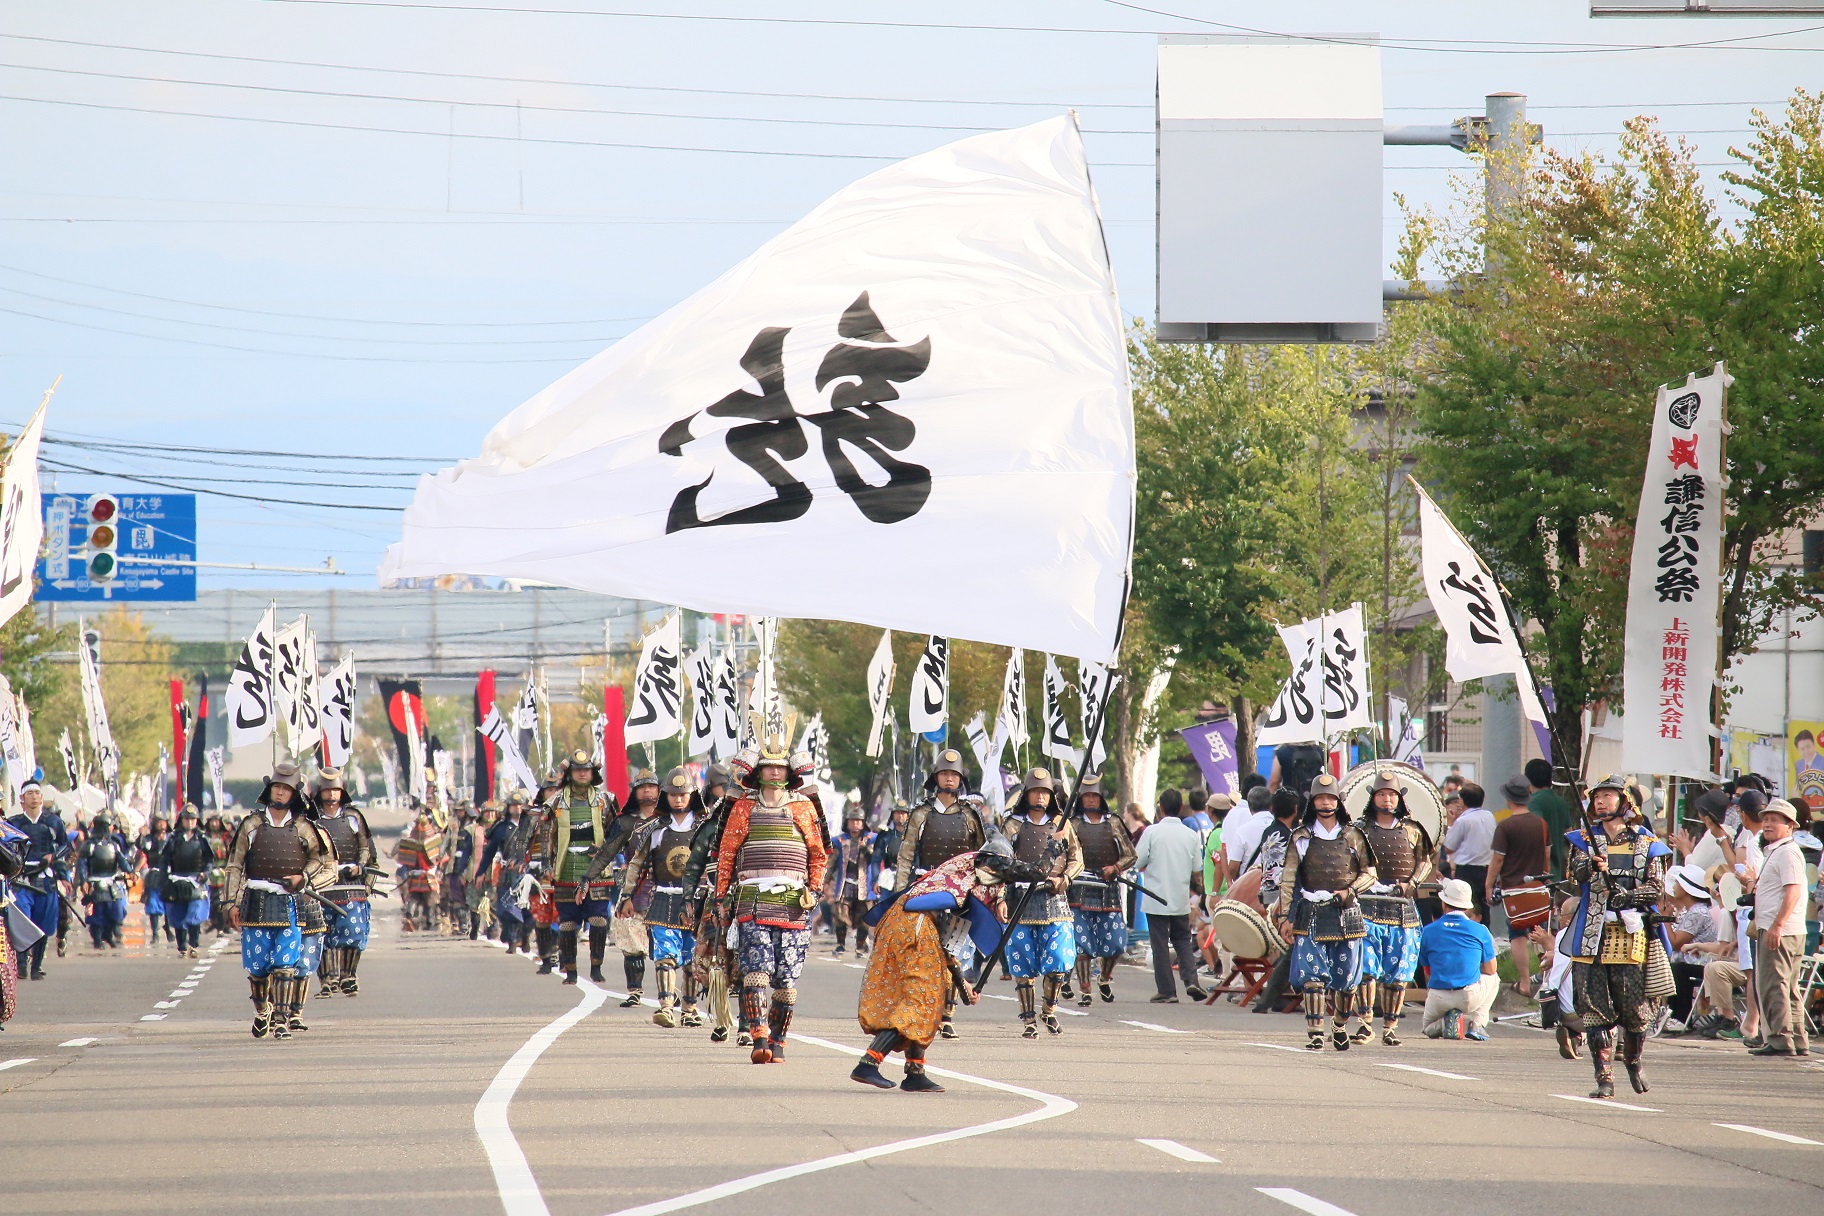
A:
x: 1213, y: 747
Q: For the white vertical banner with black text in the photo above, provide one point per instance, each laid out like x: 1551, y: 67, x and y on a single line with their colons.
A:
x: 1675, y: 584
x: 880, y: 688
x: 728, y: 727
x: 1327, y: 692
x: 655, y: 710
x: 928, y: 706
x: 702, y: 737
x: 1093, y: 685
x: 252, y: 713
x: 1056, y: 742
x: 338, y: 713
x: 503, y: 735
x: 21, y: 517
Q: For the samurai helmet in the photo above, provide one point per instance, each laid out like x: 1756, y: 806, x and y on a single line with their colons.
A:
x: 284, y: 773
x: 554, y: 779
x: 1324, y: 783
x: 1624, y: 808
x: 1036, y: 779
x: 1388, y: 779
x: 993, y: 860
x: 949, y: 760
x: 330, y: 779
x: 717, y: 774
x: 1091, y: 784
x: 742, y: 767
x: 644, y: 777
x: 582, y: 759
x: 678, y: 781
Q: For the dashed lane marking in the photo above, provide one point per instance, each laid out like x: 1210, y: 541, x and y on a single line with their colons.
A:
x: 166, y: 1004
x: 1784, y: 1137
x: 1430, y: 1072
x: 1650, y: 1110
x: 1174, y: 1149
x: 1282, y: 1047
x: 6, y: 1064
x: 84, y: 1042
x: 1302, y: 1201
x: 151, y: 1017
x: 1154, y: 1026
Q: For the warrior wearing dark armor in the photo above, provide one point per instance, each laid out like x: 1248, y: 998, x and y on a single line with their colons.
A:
x: 1095, y: 899
x: 356, y: 861
x: 186, y: 861
x: 660, y: 855
x: 713, y: 963
x: 1401, y: 853
x: 582, y: 821
x: 768, y: 862
x: 1620, y: 877
x: 1319, y: 913
x: 949, y: 821
x: 506, y: 847
x: 630, y: 930
x: 102, y: 871
x: 151, y: 851
x: 276, y: 853
x: 1044, y: 941
x: 849, y: 880
x: 37, y: 890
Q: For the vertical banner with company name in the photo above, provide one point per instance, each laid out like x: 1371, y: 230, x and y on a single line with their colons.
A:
x: 1212, y: 746
x: 1674, y: 584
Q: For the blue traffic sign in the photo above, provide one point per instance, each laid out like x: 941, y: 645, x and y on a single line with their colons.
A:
x: 113, y: 547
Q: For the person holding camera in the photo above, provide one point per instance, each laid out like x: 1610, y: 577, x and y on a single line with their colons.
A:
x: 1779, y: 933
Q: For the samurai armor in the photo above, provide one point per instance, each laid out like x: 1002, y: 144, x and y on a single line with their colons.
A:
x: 1395, y: 860
x: 1391, y: 910
x: 1328, y: 865
x: 1620, y: 946
x: 276, y: 853
x: 1329, y: 922
x: 267, y: 909
x: 945, y: 834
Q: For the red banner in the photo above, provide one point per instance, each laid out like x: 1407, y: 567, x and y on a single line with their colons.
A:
x: 614, y: 743
x: 484, y: 747
x: 178, y: 751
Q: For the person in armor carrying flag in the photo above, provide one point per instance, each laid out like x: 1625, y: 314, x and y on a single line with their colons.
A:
x: 1620, y: 876
x: 1319, y: 912
x: 1401, y: 853
x: 949, y: 821
x: 769, y: 860
x: 1044, y: 942
x: 1095, y: 899
x: 581, y: 822
x: 355, y: 859
x: 275, y: 854
x: 660, y: 852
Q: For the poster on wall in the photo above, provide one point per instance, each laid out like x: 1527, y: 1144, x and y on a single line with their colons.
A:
x: 1805, y: 779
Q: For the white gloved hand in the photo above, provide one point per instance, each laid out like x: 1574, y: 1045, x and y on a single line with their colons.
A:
x: 1382, y: 888
x: 1632, y: 921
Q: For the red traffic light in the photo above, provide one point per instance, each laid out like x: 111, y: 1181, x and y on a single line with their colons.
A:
x: 101, y: 510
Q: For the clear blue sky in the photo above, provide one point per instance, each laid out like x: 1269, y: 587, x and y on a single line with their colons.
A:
x: 238, y: 267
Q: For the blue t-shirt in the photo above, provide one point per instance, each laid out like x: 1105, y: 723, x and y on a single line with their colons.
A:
x: 1454, y: 948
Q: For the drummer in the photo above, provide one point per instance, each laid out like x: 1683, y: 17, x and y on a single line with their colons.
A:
x: 1521, y: 858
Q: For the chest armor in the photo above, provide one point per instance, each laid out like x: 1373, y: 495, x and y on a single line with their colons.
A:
x: 1033, y: 846
x: 1327, y: 865
x: 670, y: 853
x: 1394, y: 858
x: 345, y: 833
x: 190, y: 856
x: 946, y: 834
x: 850, y: 851
x: 104, y: 858
x: 773, y: 848
x: 1627, y: 863
x: 1098, y: 842
x: 276, y: 852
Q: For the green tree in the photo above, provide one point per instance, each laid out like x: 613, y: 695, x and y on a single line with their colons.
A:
x: 135, y: 685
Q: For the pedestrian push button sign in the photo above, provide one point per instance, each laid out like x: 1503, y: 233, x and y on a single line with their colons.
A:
x: 111, y: 547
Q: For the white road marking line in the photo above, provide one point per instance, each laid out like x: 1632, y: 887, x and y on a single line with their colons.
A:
x: 166, y: 1004
x: 1651, y: 1110
x: 1753, y: 1131
x: 77, y: 1042
x: 181, y: 993
x: 1154, y: 1026
x: 1302, y: 1201
x: 1175, y: 1149
x: 856, y: 966
x: 1073, y: 1013
x: 1282, y: 1047
x: 995, y: 996
x: 1051, y: 1107
x: 151, y: 1017
x: 6, y: 1064
x: 1430, y: 1072
x: 519, y: 1193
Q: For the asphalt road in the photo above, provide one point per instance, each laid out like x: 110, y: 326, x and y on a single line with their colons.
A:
x: 131, y: 1084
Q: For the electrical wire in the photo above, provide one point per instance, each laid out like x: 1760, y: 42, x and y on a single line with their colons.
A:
x: 193, y: 489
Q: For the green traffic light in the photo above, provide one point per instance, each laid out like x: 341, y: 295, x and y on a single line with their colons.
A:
x: 101, y: 567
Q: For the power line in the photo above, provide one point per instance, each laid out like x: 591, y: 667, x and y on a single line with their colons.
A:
x: 304, y: 316
x: 100, y: 441
x: 195, y: 489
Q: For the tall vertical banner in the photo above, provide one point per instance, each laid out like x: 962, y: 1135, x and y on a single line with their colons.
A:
x: 658, y: 686
x: 485, y: 752
x: 310, y: 699
x: 1093, y: 684
x: 1479, y: 638
x: 1013, y: 699
x: 288, y: 679
x: 988, y: 756
x: 180, y: 722
x: 196, y: 761
x: 1675, y: 584
x: 339, y: 713
x: 765, y: 698
x: 928, y: 709
x: 728, y: 705
x: 1056, y: 742
x: 67, y: 750
x: 252, y: 711
x: 880, y: 688
x: 21, y: 517
x: 403, y: 701
x: 702, y: 737
x: 1212, y: 746
x: 95, y: 708
x: 217, y: 759
x: 614, y: 742
x: 1327, y: 692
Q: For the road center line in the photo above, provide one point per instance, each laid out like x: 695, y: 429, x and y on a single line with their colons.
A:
x: 1302, y: 1201
x: 1174, y: 1149
x: 1651, y: 1110
x: 519, y: 1193
x: 1051, y: 1106
x: 1282, y: 1047
x: 1154, y: 1026
x: 6, y: 1064
x: 77, y: 1042
x: 1735, y: 1127
x: 1430, y: 1072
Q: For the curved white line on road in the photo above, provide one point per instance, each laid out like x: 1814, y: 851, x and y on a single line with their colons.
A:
x: 519, y: 1193
x: 1051, y: 1106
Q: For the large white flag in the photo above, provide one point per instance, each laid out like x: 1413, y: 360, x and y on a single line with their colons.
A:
x: 880, y: 688
x: 95, y: 707
x: 21, y: 518
x: 1327, y: 692
x: 987, y: 749
x: 1675, y: 584
x: 1479, y: 639
x: 936, y: 346
x: 1013, y: 699
x: 1056, y: 742
x: 288, y: 678
x: 505, y: 736
x: 310, y: 700
x: 252, y: 713
x: 702, y: 663
x: 339, y: 712
x: 928, y: 706
x: 658, y: 686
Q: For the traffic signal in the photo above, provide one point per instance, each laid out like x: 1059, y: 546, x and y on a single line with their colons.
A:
x: 99, y: 553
